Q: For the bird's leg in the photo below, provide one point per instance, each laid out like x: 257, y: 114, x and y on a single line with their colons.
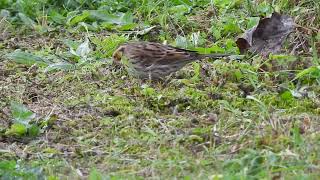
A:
x: 149, y: 77
x: 168, y: 78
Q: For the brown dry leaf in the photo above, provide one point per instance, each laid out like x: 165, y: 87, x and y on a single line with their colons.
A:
x: 268, y: 36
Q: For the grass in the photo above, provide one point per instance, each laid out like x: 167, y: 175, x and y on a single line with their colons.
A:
x: 67, y: 112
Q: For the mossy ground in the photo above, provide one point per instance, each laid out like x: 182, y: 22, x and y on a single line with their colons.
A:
x: 224, y: 119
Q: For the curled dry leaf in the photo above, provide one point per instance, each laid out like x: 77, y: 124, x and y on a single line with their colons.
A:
x: 268, y: 36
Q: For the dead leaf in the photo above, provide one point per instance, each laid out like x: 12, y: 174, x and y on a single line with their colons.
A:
x: 268, y: 36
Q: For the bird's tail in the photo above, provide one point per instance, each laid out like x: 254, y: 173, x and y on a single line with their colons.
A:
x: 213, y: 56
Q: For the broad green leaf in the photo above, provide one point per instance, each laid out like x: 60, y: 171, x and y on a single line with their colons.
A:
x: 179, y: 10
x: 126, y: 18
x: 34, y: 130
x: 216, y: 33
x: 108, y: 45
x: 83, y: 49
x: 227, y: 4
x: 124, y: 21
x: 104, y: 16
x: 127, y: 27
x: 17, y: 129
x: 265, y: 8
x: 71, y: 44
x: 21, y: 113
x: 119, y: 19
x: 57, y: 17
x: 107, y: 25
x: 26, y: 20
x: 90, y: 27
x: 60, y: 66
x: 79, y: 18
x: 26, y: 58
x: 70, y: 16
x: 252, y: 21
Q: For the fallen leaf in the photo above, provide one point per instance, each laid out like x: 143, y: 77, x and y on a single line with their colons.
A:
x: 268, y: 36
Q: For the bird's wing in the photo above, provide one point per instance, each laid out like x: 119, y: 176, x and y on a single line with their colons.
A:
x: 150, y: 53
x: 172, y: 55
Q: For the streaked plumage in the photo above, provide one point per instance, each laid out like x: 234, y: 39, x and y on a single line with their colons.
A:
x: 155, y: 60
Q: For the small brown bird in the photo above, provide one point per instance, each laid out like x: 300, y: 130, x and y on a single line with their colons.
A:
x: 154, y: 60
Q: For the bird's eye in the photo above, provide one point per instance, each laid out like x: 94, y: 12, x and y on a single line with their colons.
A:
x: 147, y: 65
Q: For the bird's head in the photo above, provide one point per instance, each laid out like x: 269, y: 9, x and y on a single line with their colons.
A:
x: 117, y: 55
